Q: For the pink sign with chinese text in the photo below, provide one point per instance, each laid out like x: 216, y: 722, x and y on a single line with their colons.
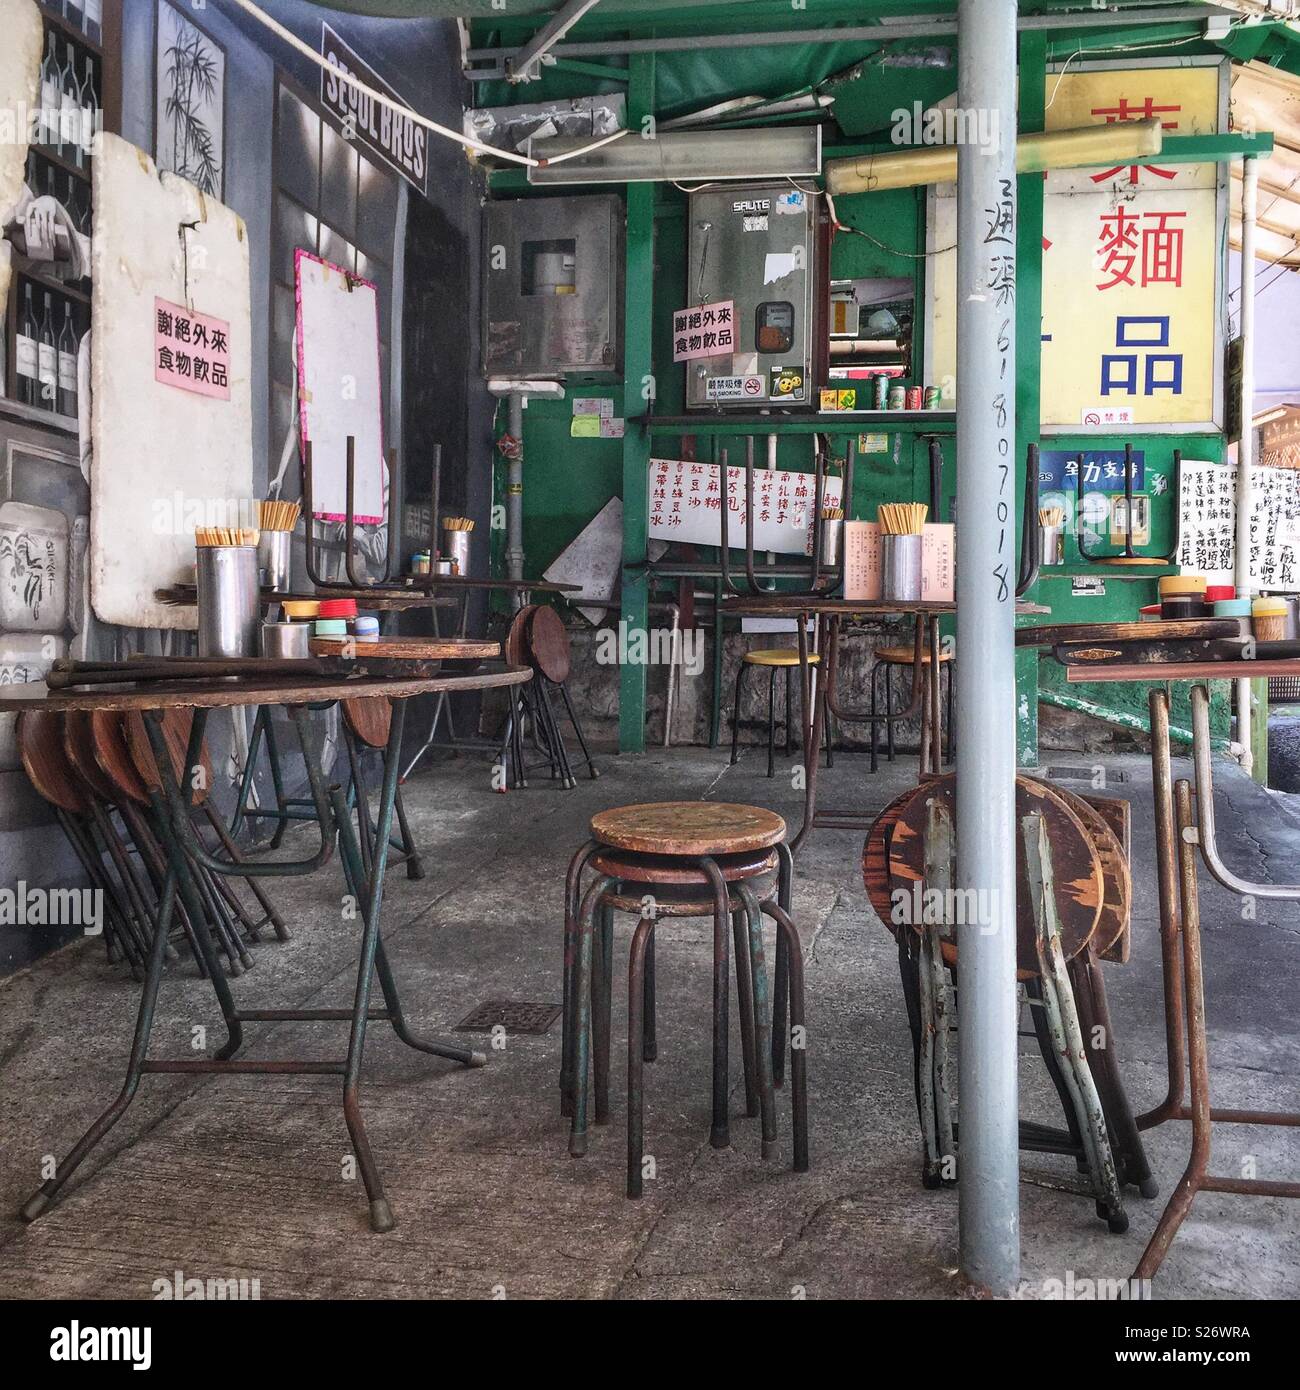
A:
x: 707, y: 330
x: 191, y: 351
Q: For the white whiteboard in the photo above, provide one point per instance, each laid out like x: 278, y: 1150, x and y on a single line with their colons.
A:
x: 339, y: 387
x: 165, y: 460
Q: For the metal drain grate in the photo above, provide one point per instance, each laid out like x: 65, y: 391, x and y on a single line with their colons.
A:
x: 514, y: 1015
x: 1085, y: 774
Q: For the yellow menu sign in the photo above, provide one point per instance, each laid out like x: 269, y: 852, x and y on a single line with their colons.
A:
x: 1131, y: 260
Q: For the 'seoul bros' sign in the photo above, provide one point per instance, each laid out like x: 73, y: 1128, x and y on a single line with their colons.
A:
x: 394, y: 138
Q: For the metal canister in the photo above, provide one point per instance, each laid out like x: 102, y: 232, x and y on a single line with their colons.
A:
x: 900, y: 568
x: 456, y: 547
x: 898, y: 397
x: 230, y: 606
x: 914, y: 398
x: 1051, y: 545
x: 832, y: 530
x: 880, y: 390
x: 286, y: 641
x: 932, y: 398
x: 273, y: 557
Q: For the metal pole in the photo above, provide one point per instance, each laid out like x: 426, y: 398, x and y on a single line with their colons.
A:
x: 988, y: 1169
x: 1246, y: 445
x: 515, y: 492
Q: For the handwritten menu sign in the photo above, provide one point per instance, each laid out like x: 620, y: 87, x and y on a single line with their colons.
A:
x: 708, y: 330
x: 686, y: 505
x: 863, y: 563
x: 191, y: 351
x: 1207, y: 503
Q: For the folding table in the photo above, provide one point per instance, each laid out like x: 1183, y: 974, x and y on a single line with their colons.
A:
x: 170, y: 800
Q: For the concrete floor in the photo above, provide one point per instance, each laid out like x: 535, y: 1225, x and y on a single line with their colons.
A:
x: 251, y: 1177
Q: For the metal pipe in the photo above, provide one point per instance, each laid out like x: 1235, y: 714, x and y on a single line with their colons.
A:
x: 888, y: 31
x: 1205, y: 831
x: 1246, y: 445
x: 989, y: 1173
x: 515, y: 491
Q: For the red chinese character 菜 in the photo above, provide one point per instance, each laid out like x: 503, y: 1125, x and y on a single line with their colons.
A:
x: 1129, y: 111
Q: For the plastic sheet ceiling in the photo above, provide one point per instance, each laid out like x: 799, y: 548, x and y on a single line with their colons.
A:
x: 1264, y: 98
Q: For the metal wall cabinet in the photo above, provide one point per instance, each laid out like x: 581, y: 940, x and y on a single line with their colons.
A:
x: 553, y: 286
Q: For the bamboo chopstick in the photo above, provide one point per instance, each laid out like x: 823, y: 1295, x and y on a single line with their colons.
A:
x: 1051, y: 516
x: 902, y: 518
x: 273, y: 514
x: 225, y: 535
x: 457, y: 523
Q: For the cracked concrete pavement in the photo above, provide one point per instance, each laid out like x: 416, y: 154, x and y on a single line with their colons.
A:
x: 252, y: 1176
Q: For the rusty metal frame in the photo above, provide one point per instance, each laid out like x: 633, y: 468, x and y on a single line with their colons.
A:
x: 1181, y: 830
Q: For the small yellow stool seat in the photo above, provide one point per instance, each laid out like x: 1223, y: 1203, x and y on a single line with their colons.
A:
x: 779, y: 656
x: 904, y: 656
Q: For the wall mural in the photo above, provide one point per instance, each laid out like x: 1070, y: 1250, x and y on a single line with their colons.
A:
x: 189, y: 102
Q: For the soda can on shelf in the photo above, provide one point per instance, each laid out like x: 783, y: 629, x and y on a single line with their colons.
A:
x: 898, y: 397
x: 932, y: 398
x: 880, y: 390
x: 913, y: 398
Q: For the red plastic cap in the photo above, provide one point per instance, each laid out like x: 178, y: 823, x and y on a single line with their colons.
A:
x: 338, y: 608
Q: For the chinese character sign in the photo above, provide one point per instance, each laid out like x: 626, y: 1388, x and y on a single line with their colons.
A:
x: 1131, y: 257
x: 1207, y: 505
x: 708, y: 330
x: 686, y: 505
x: 191, y: 350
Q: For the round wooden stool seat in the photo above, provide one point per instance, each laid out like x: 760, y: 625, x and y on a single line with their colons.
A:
x: 906, y: 656
x: 113, y: 755
x: 370, y: 719
x: 777, y: 656
x: 548, y: 643
x: 176, y: 735
x: 79, y: 747
x: 40, y: 745
x: 668, y: 871
x: 1092, y: 900
x: 691, y: 828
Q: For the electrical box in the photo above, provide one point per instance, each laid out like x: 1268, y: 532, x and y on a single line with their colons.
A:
x: 552, y: 286
x: 763, y: 247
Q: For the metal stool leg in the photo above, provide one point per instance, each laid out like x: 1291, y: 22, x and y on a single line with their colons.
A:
x: 781, y: 975
x: 745, y: 1001
x: 763, y: 1040
x: 789, y: 711
x: 798, y: 1035
x: 720, y: 1132
x: 641, y: 938
x: 582, y: 1011
x: 1063, y: 1021
x: 735, y: 713
x: 568, y: 1023
x: 650, y: 1043
x: 771, y: 723
x: 602, y: 990
x: 875, y: 725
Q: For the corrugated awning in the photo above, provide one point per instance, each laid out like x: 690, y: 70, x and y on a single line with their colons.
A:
x: 1266, y: 98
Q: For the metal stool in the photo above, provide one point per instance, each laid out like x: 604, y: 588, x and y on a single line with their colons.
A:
x: 1074, y: 912
x: 667, y: 860
x: 775, y: 659
x: 886, y: 659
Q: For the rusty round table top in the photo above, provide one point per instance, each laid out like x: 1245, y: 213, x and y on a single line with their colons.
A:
x: 688, y: 827
x: 216, y: 694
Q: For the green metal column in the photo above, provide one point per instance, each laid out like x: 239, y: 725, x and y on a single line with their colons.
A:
x: 638, y: 389
x: 1029, y: 333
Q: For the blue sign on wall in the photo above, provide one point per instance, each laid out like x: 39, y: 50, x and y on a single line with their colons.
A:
x: 1103, y: 470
